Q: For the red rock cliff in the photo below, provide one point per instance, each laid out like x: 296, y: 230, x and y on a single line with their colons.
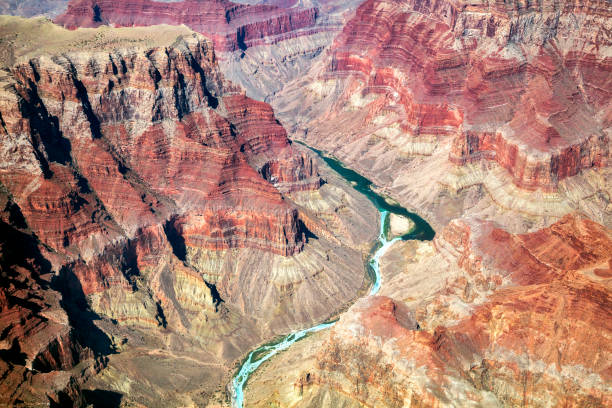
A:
x: 525, y: 84
x: 122, y: 141
x: 39, y: 347
x: 231, y: 26
x: 541, y: 332
x: 120, y: 153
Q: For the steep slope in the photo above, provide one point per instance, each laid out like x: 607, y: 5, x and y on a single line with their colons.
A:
x: 231, y: 26
x: 509, y: 98
x: 44, y: 357
x: 171, y: 207
x: 262, y: 45
x: 503, y: 320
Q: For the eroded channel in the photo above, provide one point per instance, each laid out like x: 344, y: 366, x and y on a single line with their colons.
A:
x: 421, y: 231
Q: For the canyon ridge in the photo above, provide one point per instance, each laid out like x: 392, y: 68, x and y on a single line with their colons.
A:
x: 363, y: 203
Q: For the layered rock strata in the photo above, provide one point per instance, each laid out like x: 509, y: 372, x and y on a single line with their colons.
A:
x: 479, y: 317
x: 81, y: 108
x: 232, y: 26
x: 43, y: 357
x: 472, y: 86
x: 168, y: 205
x: 262, y: 45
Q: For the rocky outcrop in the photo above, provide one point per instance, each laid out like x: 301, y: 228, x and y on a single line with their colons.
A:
x: 38, y: 342
x: 262, y: 45
x: 508, y: 326
x: 454, y: 71
x: 472, y: 87
x: 231, y: 26
x: 81, y: 109
x: 167, y: 205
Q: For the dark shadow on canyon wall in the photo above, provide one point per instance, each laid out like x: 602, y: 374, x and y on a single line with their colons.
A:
x: 81, y: 317
x: 102, y: 398
x: 176, y: 240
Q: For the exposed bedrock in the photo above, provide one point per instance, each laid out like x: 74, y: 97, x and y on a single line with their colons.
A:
x: 231, y: 26
x: 43, y: 357
x: 261, y: 45
x: 121, y: 130
x: 523, y: 86
x: 179, y: 221
x: 479, y: 317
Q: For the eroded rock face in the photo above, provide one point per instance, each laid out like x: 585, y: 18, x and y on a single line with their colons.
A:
x: 473, y: 86
x: 142, y: 124
x: 168, y: 206
x: 517, y: 319
x: 38, y: 343
x: 540, y: 111
x: 231, y: 26
x: 262, y: 45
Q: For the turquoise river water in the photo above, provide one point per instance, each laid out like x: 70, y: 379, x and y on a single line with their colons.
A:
x: 421, y: 231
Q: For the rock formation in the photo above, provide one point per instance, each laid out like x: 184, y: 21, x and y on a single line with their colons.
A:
x: 156, y: 219
x: 505, y: 320
x: 231, y: 26
x: 40, y: 349
x: 166, y: 203
x: 474, y: 87
x: 262, y: 45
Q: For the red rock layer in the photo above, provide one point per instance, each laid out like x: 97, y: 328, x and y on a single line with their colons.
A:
x: 556, y: 313
x: 105, y: 169
x: 513, y: 82
x: 118, y: 162
x: 231, y: 26
x: 37, y: 342
x: 541, y: 338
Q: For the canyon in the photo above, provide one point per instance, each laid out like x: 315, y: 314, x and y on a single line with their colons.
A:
x: 160, y: 222
x: 505, y: 106
x: 478, y: 317
x: 261, y: 45
x: 156, y: 193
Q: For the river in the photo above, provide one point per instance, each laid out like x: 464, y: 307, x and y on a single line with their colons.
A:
x: 421, y: 231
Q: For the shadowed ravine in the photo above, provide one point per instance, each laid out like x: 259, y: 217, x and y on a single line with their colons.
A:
x: 421, y: 231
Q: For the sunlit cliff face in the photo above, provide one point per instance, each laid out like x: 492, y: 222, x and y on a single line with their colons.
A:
x: 158, y: 223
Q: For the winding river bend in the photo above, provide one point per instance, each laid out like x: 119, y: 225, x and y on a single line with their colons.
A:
x: 421, y: 231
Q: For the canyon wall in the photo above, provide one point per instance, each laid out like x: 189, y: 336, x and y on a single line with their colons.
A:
x: 479, y: 317
x: 520, y: 86
x: 82, y: 112
x: 43, y: 355
x: 165, y: 206
x: 157, y: 219
x: 261, y: 45
x: 493, y: 120
x: 231, y: 26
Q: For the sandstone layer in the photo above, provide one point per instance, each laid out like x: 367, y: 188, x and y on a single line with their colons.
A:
x: 479, y: 317
x: 179, y: 221
x: 505, y: 106
x: 43, y: 356
x: 231, y: 26
x: 262, y: 45
x: 171, y: 226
